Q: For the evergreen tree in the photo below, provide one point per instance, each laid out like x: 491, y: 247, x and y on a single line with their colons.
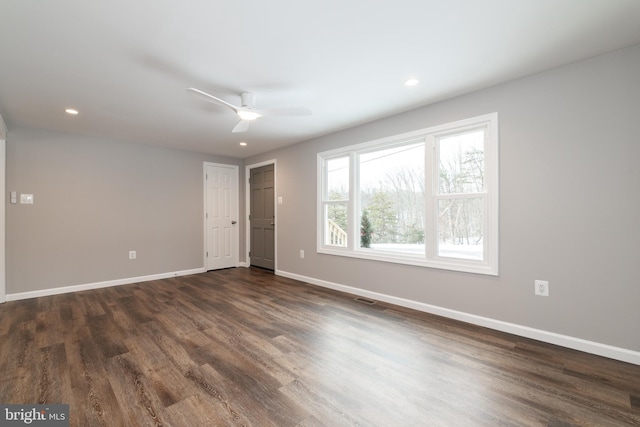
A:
x: 365, y: 230
x: 383, y: 217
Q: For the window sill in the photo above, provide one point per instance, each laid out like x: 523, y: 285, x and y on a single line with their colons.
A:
x: 451, y: 264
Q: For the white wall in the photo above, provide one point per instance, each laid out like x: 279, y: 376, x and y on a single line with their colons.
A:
x: 569, y: 208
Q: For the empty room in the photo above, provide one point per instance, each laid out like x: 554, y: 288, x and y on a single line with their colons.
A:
x: 337, y: 213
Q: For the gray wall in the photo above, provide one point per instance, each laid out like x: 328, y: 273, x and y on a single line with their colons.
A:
x: 569, y: 204
x: 95, y: 200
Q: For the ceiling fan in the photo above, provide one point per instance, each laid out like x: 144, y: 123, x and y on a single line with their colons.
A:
x: 247, y: 111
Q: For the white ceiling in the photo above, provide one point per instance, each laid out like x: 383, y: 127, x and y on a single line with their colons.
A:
x: 126, y: 64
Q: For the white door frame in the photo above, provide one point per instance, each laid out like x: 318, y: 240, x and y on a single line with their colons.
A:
x: 3, y: 166
x: 204, y: 207
x: 247, y: 209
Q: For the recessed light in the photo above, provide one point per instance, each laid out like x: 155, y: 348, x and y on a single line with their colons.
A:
x: 411, y: 82
x: 244, y: 144
x: 71, y: 111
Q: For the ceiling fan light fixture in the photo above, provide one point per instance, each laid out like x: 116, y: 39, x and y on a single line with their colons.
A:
x: 246, y: 112
x: 248, y: 115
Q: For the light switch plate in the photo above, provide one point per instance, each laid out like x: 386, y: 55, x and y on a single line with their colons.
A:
x: 26, y: 199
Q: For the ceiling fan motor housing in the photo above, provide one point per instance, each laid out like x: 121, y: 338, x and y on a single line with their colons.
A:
x: 248, y: 99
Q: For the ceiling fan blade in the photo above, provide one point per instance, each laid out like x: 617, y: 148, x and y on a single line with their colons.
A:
x: 242, y: 126
x: 286, y: 111
x: 210, y: 98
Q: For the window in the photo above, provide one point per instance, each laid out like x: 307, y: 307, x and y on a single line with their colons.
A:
x: 427, y: 198
x: 336, y: 205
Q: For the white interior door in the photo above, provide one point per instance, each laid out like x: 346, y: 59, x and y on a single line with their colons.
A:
x: 221, y: 216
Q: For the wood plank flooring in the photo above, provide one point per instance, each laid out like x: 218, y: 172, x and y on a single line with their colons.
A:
x: 242, y: 347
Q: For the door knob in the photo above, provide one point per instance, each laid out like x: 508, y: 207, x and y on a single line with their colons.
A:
x: 273, y: 223
x: 234, y: 222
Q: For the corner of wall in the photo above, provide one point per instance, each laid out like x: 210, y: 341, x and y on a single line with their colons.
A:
x: 3, y: 129
x: 3, y: 145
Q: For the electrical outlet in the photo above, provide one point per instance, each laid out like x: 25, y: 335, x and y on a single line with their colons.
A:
x: 542, y: 288
x: 301, y: 253
x: 132, y: 254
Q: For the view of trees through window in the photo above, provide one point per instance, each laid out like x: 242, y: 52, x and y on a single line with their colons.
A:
x: 427, y: 197
x: 392, y: 197
x: 336, y: 207
x: 460, y: 183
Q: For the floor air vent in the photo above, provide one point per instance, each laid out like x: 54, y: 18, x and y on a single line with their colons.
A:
x: 365, y: 301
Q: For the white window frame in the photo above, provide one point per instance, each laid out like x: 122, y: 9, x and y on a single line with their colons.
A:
x: 488, y: 266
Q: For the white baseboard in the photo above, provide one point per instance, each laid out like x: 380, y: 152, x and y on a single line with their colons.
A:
x: 592, y: 347
x: 97, y: 285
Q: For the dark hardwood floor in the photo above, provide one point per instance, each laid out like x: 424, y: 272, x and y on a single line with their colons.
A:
x: 245, y: 347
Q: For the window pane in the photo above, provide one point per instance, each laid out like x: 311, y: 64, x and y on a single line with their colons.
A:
x: 461, y: 163
x: 392, y: 183
x: 335, y: 224
x: 460, y: 229
x: 338, y: 179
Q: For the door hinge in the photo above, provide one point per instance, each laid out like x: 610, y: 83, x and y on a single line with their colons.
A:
x: 207, y: 254
x: 249, y: 217
x: 249, y: 254
x: 206, y: 215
